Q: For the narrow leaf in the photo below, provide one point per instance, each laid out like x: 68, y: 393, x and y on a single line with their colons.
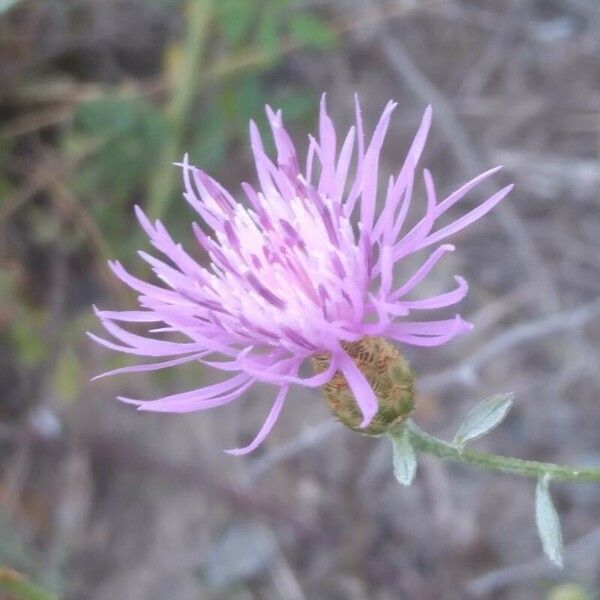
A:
x: 483, y: 418
x: 403, y: 456
x: 548, y: 522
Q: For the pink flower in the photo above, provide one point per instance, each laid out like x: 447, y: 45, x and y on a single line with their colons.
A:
x: 289, y: 275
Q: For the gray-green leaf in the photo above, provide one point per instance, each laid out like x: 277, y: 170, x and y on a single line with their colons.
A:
x: 483, y: 418
x: 548, y: 523
x: 404, y: 459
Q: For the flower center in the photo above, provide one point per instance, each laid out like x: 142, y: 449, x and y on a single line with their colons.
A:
x: 290, y: 265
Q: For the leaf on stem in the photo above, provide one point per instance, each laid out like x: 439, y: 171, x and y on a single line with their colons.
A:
x: 483, y: 418
x: 403, y: 456
x: 548, y: 522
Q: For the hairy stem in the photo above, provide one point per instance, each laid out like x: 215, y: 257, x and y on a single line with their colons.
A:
x: 492, y: 462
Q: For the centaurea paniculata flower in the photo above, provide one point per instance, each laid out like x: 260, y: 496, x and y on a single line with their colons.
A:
x: 302, y: 269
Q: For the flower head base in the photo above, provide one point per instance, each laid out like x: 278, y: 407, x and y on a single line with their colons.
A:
x: 290, y: 277
x: 389, y: 376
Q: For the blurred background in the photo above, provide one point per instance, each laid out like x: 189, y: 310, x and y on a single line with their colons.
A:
x: 97, y: 99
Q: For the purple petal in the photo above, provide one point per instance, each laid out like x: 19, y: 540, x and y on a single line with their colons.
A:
x: 143, y: 287
x: 428, y: 333
x: 152, y: 367
x: 418, y: 144
x: 286, y: 153
x: 311, y: 382
x: 469, y: 218
x: 327, y: 145
x: 187, y: 402
x: 208, y: 391
x: 442, y: 300
x: 453, y: 198
x: 429, y: 327
x: 260, y: 159
x: 422, y: 272
x: 360, y: 138
x: 267, y: 426
x: 131, y: 316
x: 361, y: 389
x: 343, y: 165
x: 370, y: 168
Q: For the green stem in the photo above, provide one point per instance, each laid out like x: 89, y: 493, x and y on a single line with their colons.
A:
x: 492, y: 462
x: 185, y: 88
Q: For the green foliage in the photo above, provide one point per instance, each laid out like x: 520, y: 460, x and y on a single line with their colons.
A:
x: 311, y: 31
x: 21, y: 588
x: 208, y: 143
x: 134, y: 132
x: 295, y: 102
x: 167, y: 3
x: 25, y: 334
x: 66, y: 380
x: 268, y: 22
x: 568, y: 591
x: 264, y: 25
x: 131, y: 134
x: 235, y: 18
x: 249, y: 98
x: 268, y: 32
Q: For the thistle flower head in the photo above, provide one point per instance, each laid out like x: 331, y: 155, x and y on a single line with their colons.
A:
x: 302, y: 268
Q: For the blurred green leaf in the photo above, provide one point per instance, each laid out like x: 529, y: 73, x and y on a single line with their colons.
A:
x: 105, y: 116
x: 67, y: 382
x: 568, y: 591
x: 25, y: 334
x: 295, y: 103
x: 167, y: 3
x: 311, y: 31
x: 235, y: 18
x: 248, y: 98
x: 209, y: 143
x: 135, y: 133
x: 267, y: 35
x: 21, y: 588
